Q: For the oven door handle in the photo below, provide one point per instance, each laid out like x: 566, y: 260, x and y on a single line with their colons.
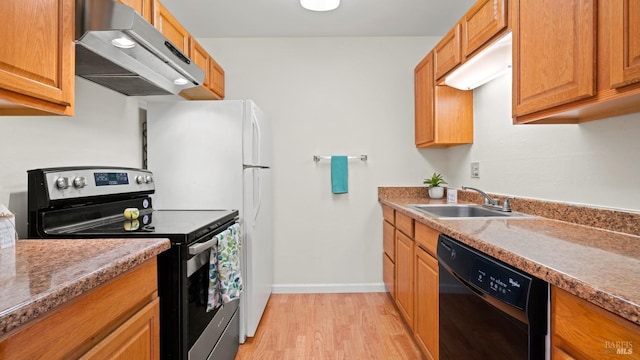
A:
x: 201, y: 247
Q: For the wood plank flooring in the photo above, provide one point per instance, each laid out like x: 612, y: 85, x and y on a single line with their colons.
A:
x: 330, y: 326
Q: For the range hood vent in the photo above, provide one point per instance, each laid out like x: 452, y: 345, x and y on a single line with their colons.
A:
x: 117, y: 48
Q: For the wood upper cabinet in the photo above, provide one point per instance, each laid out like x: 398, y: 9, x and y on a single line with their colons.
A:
x: 447, y: 53
x: 37, y: 61
x: 581, y: 330
x: 164, y: 21
x: 575, y: 61
x: 200, y: 57
x: 404, y: 276
x: 625, y: 42
x: 554, y: 45
x: 216, y: 79
x: 424, y: 102
x: 212, y: 87
x: 481, y: 23
x: 142, y: 7
x: 443, y: 115
x: 426, y: 290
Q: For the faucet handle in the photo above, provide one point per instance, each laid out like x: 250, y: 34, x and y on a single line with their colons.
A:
x: 506, y: 205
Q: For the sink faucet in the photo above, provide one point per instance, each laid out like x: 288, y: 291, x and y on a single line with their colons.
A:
x: 491, y: 202
x: 488, y: 200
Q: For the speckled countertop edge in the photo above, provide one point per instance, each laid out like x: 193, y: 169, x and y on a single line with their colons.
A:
x: 628, y: 308
x: 22, y: 313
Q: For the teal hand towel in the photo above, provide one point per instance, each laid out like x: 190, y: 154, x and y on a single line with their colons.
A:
x: 339, y: 174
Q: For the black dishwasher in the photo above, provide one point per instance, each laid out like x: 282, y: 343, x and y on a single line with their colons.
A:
x: 488, y: 309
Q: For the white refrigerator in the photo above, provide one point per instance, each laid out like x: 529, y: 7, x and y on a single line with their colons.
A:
x: 217, y: 155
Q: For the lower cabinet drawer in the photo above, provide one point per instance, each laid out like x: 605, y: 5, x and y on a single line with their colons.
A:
x: 389, y: 240
x: 388, y: 275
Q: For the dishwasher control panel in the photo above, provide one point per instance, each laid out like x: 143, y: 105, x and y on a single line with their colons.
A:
x: 500, y: 282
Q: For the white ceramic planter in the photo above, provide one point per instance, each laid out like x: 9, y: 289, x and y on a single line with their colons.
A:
x: 436, y: 192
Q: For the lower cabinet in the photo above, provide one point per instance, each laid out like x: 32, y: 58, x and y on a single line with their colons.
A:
x: 581, y: 330
x: 426, y: 303
x: 410, y: 274
x: 426, y: 290
x: 389, y: 250
x: 389, y: 258
x: 117, y: 320
x: 404, y: 276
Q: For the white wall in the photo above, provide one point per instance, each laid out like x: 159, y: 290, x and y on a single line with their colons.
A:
x: 104, y: 131
x: 592, y: 163
x: 351, y: 96
x: 331, y: 96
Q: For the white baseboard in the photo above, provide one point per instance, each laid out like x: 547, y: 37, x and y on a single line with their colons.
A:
x: 327, y: 288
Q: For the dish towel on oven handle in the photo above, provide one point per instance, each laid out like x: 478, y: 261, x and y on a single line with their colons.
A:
x: 225, y: 279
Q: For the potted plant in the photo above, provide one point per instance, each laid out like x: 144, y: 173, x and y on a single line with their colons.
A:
x: 435, y: 190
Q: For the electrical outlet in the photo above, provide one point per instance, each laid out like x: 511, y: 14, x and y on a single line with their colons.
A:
x: 475, y: 170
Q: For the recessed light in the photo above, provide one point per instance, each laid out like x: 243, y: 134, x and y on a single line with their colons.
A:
x: 123, y: 43
x: 181, y: 81
x: 320, y: 5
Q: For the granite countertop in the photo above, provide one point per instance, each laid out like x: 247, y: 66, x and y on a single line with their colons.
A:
x: 601, y: 266
x: 39, y: 275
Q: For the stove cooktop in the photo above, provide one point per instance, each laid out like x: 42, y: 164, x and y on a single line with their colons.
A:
x: 177, y: 225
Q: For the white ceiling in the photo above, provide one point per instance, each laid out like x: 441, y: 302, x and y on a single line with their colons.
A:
x: 286, y: 18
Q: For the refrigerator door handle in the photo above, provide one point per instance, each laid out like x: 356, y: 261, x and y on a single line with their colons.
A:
x: 257, y: 146
x: 258, y: 191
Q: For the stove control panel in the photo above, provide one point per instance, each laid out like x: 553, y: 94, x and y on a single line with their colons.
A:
x: 66, y: 183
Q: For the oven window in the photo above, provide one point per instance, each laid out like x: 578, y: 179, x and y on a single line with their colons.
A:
x: 197, y: 316
x: 472, y: 328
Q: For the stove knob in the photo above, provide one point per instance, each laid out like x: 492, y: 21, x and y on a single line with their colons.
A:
x: 80, y: 182
x: 148, y: 179
x: 140, y: 179
x: 62, y: 182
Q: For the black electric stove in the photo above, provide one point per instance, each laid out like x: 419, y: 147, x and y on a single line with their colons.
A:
x: 90, y: 202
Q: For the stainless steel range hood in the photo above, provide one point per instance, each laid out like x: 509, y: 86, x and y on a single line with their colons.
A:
x: 119, y: 49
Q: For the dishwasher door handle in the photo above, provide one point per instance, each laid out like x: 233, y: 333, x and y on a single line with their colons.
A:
x: 468, y: 285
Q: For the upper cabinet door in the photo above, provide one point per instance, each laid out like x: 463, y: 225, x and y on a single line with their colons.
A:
x: 200, y: 57
x: 38, y: 56
x: 216, y: 76
x: 446, y: 55
x: 164, y: 21
x: 625, y: 42
x: 142, y: 7
x: 483, y: 21
x: 424, y: 102
x: 554, y: 45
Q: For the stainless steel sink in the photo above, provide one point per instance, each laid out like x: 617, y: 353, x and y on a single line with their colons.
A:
x: 463, y: 211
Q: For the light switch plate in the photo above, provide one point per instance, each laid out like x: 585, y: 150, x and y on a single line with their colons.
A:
x: 475, y: 170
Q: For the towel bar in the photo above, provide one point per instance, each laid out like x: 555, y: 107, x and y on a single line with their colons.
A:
x: 317, y: 158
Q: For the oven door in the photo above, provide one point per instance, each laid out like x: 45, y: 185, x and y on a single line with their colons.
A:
x: 203, y: 328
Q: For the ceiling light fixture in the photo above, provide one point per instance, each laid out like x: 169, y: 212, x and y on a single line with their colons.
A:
x: 320, y: 5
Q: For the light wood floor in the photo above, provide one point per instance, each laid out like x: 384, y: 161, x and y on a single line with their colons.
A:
x: 328, y: 327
